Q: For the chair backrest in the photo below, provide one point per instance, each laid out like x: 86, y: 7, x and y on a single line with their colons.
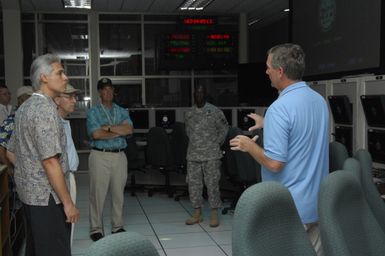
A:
x: 347, y: 224
x: 134, y: 162
x: 122, y: 244
x: 240, y: 165
x: 266, y: 222
x: 370, y: 190
x: 337, y: 156
x: 179, y: 143
x: 158, y: 152
x: 132, y: 151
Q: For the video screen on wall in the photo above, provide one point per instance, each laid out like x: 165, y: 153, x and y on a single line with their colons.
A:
x: 339, y: 37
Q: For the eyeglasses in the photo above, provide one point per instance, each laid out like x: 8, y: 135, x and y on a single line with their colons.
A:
x: 69, y: 96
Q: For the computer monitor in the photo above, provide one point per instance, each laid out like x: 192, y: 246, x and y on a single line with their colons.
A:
x: 79, y: 133
x: 344, y: 135
x: 374, y: 109
x: 140, y: 118
x: 341, y: 109
x: 229, y: 115
x: 164, y: 118
x: 376, y: 145
x: 244, y: 122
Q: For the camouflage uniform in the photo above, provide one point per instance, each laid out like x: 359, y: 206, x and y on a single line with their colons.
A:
x: 206, y: 128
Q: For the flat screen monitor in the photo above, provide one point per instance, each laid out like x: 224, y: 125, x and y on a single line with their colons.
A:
x: 244, y: 122
x: 79, y: 133
x: 344, y: 135
x: 254, y: 86
x: 164, y: 118
x: 341, y: 109
x: 339, y: 37
x: 229, y: 115
x: 374, y: 109
x: 376, y: 145
x: 139, y: 118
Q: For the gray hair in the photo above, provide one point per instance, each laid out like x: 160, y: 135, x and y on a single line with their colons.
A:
x: 289, y: 57
x: 42, y: 65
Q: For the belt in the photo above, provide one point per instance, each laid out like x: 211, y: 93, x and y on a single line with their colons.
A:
x: 109, y: 150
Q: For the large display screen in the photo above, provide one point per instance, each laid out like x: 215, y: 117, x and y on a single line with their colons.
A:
x: 197, y: 43
x: 339, y: 37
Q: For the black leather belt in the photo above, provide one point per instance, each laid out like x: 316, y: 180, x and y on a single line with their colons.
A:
x: 109, y: 150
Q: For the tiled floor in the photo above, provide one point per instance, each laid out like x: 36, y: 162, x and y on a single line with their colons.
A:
x: 161, y: 220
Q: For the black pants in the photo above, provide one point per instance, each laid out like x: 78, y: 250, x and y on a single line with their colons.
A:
x: 48, y: 233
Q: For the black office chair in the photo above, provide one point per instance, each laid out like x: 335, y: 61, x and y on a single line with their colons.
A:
x: 159, y: 157
x: 134, y: 164
x: 243, y: 170
x: 179, y: 144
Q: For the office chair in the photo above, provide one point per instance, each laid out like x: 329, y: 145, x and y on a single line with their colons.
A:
x: 337, y: 156
x: 370, y: 190
x: 134, y: 164
x: 266, y: 222
x: 122, y: 244
x: 347, y: 224
x: 242, y: 169
x: 159, y: 157
x: 179, y: 143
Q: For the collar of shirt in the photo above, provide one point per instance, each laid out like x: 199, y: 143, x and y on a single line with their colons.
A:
x: 292, y: 87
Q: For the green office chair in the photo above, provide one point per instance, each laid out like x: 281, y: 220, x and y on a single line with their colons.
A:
x: 122, y: 244
x: 370, y: 190
x: 266, y: 222
x: 347, y: 224
x: 337, y: 156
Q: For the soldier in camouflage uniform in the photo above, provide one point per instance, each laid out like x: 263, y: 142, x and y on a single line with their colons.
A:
x: 206, y: 127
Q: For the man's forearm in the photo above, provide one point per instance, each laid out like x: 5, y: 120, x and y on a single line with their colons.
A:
x: 57, y: 180
x: 122, y: 129
x: 258, y: 154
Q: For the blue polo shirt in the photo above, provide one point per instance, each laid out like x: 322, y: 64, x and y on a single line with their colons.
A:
x: 296, y: 132
x: 98, y: 116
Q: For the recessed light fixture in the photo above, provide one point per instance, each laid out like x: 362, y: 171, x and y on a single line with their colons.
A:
x: 81, y: 4
x: 194, y: 5
x: 286, y: 10
x: 254, y: 21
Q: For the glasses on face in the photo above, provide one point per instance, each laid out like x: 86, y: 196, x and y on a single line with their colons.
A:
x: 69, y: 96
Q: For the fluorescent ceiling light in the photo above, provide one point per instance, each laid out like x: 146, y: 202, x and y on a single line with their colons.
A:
x: 194, y: 5
x: 254, y: 21
x: 82, y: 4
x: 286, y: 10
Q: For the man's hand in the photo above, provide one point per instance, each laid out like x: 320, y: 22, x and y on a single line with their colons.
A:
x: 241, y: 143
x: 72, y: 213
x: 258, y: 121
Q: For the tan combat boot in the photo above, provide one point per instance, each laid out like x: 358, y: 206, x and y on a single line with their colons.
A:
x: 195, y: 218
x: 214, y: 220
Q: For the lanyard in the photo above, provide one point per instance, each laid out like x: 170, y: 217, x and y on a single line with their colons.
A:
x: 111, y: 120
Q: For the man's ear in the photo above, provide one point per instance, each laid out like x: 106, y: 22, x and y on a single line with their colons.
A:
x: 43, y: 78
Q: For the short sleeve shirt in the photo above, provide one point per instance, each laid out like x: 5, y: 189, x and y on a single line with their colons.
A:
x: 296, y: 132
x: 98, y: 116
x: 38, y: 135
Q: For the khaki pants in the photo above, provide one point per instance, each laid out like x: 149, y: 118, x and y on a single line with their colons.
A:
x: 312, y: 229
x: 108, y: 171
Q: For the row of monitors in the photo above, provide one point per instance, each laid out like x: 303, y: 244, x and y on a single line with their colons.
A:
x: 373, y: 105
x: 144, y: 119
x: 376, y: 141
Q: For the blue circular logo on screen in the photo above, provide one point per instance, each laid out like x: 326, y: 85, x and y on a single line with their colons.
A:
x: 327, y: 14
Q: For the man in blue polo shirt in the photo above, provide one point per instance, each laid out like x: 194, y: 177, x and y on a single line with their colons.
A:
x: 296, y: 142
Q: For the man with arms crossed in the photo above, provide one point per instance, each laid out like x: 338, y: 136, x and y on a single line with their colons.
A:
x: 38, y: 150
x: 107, y: 125
x: 296, y: 141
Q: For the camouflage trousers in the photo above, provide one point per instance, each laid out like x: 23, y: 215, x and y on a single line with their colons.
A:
x: 208, y: 172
